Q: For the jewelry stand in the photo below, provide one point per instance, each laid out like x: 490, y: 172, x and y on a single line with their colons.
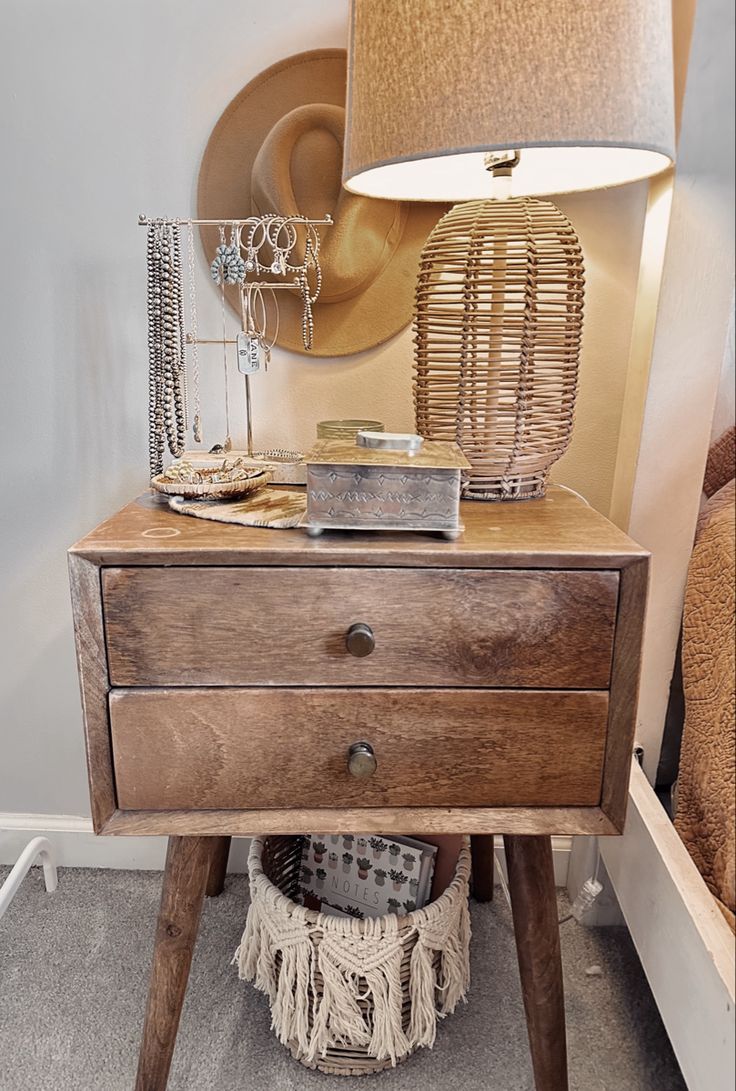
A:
x: 278, y: 235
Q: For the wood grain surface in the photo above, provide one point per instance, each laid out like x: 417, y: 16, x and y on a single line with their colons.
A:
x: 188, y: 862
x: 484, y: 867
x: 287, y: 626
x: 420, y: 820
x: 534, y: 908
x: 84, y: 579
x: 625, y: 690
x: 220, y: 852
x: 558, y: 531
x: 255, y: 748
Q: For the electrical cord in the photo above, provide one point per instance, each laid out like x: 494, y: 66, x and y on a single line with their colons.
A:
x: 587, y: 895
x: 589, y: 891
x: 574, y: 493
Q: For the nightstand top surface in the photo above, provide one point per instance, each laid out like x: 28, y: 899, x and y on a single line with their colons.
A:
x: 558, y: 531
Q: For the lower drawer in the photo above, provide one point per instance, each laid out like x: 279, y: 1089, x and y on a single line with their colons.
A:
x: 200, y: 749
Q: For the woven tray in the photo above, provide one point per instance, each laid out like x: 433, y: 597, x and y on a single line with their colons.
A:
x: 427, y: 959
x: 209, y: 490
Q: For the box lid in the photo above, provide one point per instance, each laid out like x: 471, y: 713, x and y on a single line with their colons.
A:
x: 433, y: 455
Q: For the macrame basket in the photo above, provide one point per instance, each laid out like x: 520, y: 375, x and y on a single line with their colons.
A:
x: 499, y: 315
x: 350, y: 996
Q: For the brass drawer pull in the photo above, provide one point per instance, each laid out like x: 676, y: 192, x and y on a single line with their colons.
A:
x: 360, y: 640
x: 361, y: 760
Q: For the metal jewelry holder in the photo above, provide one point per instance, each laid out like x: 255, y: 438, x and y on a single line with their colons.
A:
x: 271, y: 227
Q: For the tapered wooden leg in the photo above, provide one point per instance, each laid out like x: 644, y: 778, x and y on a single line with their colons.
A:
x: 188, y: 863
x: 481, y: 848
x: 218, y: 867
x: 534, y: 906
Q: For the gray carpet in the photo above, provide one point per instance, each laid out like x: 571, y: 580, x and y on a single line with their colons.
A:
x: 73, y: 977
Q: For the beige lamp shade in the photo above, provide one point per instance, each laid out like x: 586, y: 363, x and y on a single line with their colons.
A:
x: 582, y: 88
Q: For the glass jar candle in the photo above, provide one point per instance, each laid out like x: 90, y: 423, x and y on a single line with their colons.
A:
x: 346, y: 429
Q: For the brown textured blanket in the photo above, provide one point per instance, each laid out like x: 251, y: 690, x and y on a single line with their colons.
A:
x: 706, y: 789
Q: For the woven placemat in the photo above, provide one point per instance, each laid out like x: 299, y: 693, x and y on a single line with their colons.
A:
x: 269, y: 507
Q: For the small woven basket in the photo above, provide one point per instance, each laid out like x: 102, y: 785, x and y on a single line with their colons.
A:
x: 498, y: 323
x: 349, y: 996
x: 212, y: 490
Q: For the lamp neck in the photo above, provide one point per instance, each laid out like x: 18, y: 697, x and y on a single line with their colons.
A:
x: 500, y: 165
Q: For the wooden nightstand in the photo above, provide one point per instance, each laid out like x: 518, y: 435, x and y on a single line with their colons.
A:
x: 224, y: 682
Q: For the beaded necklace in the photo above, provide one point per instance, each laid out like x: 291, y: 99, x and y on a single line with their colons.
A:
x: 166, y: 378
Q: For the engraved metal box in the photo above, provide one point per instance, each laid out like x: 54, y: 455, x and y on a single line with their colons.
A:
x: 359, y: 488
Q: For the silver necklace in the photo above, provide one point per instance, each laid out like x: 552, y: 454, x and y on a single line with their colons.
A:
x: 311, y: 259
x: 193, y: 337
x: 167, y: 379
x: 225, y: 269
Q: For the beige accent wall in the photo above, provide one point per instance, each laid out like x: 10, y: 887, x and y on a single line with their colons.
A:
x: 691, y: 340
x: 609, y: 224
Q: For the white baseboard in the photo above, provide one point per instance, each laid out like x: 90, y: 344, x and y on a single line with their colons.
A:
x: 561, y: 849
x: 75, y: 845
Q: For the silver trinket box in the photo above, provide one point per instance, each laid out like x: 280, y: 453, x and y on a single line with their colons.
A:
x: 384, y: 482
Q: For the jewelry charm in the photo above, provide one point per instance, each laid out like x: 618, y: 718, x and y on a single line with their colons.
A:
x: 278, y: 267
x: 251, y: 351
x: 228, y: 267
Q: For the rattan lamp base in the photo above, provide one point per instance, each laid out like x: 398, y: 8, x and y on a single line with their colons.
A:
x: 498, y: 324
x: 506, y: 488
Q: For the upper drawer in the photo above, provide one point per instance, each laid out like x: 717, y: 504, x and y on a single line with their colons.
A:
x: 288, y: 626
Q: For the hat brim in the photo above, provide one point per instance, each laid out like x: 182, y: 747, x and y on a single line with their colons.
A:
x: 224, y: 191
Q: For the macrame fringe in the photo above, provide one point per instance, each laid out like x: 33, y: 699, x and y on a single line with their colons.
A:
x: 338, y: 1018
x: 422, y: 988
x: 357, y: 966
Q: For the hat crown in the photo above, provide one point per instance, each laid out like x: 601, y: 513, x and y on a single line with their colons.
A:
x: 348, y: 318
x: 298, y: 156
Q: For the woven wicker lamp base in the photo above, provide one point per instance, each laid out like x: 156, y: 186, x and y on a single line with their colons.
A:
x: 499, y: 314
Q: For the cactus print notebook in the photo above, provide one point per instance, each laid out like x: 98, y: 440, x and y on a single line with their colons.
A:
x: 365, y: 875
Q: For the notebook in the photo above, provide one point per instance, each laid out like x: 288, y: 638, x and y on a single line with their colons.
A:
x: 365, y: 875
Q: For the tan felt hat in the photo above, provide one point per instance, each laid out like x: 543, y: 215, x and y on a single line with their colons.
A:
x: 278, y: 148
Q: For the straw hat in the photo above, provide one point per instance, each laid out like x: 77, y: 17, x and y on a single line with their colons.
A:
x: 278, y: 148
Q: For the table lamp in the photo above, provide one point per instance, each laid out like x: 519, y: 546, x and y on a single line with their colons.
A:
x: 491, y: 102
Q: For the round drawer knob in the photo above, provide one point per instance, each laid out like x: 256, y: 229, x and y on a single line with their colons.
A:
x: 361, y: 760
x: 360, y: 640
